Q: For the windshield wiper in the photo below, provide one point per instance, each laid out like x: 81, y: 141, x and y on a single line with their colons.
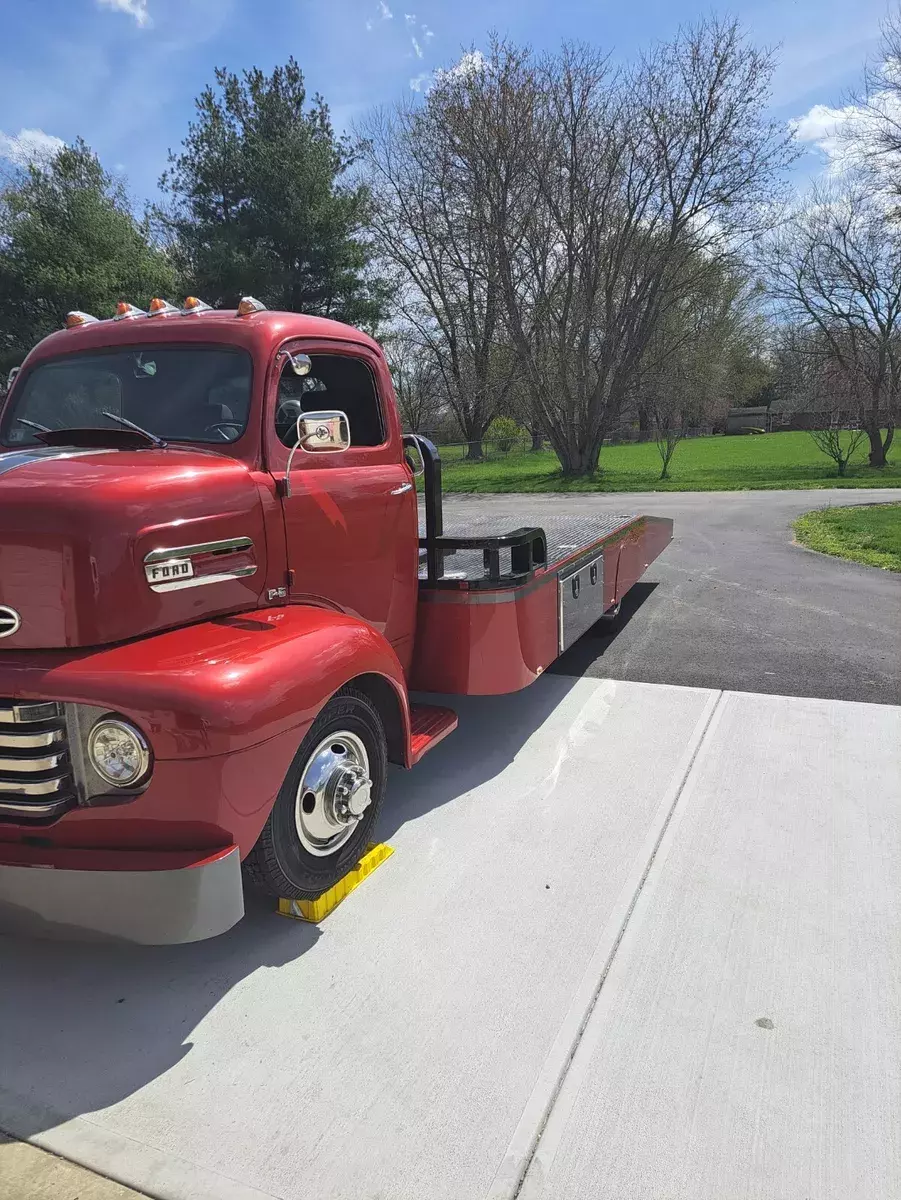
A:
x: 157, y: 441
x: 33, y: 424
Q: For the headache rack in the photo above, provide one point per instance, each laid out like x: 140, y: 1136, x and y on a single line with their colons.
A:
x: 527, y: 546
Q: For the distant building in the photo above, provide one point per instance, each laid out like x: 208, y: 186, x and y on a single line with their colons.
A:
x: 740, y: 419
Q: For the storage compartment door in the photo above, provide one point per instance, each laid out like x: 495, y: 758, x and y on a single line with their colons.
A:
x: 580, y: 594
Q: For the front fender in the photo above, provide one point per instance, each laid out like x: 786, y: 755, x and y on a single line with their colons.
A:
x: 221, y: 686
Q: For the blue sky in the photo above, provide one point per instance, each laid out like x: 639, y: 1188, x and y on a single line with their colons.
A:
x: 123, y: 73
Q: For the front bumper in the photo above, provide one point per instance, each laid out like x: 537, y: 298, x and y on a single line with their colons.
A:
x: 152, y: 899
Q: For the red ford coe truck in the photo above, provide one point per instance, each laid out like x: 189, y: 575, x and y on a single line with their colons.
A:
x: 215, y: 601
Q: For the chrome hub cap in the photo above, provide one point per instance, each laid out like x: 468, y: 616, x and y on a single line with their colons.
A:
x: 334, y: 792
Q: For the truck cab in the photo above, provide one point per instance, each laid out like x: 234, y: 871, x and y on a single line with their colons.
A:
x: 215, y: 598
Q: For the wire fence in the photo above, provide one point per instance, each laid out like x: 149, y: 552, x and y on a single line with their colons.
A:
x: 499, y: 449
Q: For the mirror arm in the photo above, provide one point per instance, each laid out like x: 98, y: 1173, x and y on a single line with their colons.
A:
x: 286, y: 491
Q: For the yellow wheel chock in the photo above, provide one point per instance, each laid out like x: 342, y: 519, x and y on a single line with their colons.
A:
x: 319, y: 909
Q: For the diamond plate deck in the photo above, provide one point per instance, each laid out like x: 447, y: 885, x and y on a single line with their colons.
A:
x: 566, y: 536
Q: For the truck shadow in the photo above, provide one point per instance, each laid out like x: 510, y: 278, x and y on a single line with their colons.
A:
x: 598, y: 640
x: 86, y: 1025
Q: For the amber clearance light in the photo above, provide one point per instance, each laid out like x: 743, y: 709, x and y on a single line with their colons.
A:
x: 161, y: 308
x: 193, y: 305
x: 125, y: 310
x: 249, y: 305
x: 76, y: 319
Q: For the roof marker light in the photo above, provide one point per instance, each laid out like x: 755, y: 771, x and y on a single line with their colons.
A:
x: 124, y: 310
x: 161, y: 308
x: 76, y: 319
x: 193, y: 305
x: 249, y: 306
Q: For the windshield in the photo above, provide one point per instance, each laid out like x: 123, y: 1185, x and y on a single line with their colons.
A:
x: 181, y: 394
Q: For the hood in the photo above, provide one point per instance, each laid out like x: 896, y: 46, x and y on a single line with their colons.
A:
x: 101, y: 545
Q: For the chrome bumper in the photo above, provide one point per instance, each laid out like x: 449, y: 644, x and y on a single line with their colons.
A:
x: 151, y: 907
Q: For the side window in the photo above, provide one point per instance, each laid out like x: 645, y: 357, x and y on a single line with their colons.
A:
x: 336, y: 381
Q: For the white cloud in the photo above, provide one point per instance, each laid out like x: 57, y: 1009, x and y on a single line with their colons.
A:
x: 470, y: 63
x: 410, y: 18
x: 416, y: 46
x: 847, y: 136
x: 421, y: 83
x: 385, y: 11
x: 826, y: 129
x: 30, y: 147
x: 427, y: 33
x: 134, y: 8
x: 369, y: 23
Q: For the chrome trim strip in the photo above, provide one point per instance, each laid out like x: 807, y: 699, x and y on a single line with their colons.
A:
x: 30, y: 766
x: 32, y: 741
x: 160, y: 555
x: 49, y: 808
x: 26, y: 714
x: 177, y: 585
x: 170, y: 555
x: 10, y: 459
x: 43, y: 787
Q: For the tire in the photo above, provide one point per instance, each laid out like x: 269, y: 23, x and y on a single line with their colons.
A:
x: 293, y: 857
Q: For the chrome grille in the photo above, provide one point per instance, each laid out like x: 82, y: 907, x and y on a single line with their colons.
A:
x: 36, y: 780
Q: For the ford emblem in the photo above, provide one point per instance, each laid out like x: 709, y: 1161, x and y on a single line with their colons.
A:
x: 9, y: 621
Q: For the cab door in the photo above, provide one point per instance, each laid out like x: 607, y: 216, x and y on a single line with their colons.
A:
x: 351, y: 517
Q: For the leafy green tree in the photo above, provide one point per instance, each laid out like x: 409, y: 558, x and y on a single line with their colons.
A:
x: 68, y: 240
x: 260, y: 203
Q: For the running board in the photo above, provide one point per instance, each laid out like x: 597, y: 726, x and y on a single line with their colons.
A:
x: 429, y: 725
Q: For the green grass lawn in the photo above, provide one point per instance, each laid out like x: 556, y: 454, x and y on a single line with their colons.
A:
x: 868, y: 534
x: 774, y: 460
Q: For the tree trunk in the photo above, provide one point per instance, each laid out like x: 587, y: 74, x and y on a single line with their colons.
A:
x: 537, y: 439
x: 579, y: 460
x: 644, y: 425
x: 877, y: 449
x: 474, y: 431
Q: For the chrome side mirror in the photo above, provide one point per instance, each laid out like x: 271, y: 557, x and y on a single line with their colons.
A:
x: 323, y: 432
x: 417, y: 463
x: 301, y: 364
x: 319, y: 433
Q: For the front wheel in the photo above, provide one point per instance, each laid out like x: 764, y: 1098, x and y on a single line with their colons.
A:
x: 320, y: 823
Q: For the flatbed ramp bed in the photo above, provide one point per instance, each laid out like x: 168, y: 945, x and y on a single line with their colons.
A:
x: 511, y: 601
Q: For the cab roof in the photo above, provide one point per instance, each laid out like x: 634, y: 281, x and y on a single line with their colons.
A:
x: 259, y: 332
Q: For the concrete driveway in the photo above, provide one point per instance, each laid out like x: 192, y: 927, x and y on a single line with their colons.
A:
x: 636, y: 942
x: 733, y: 603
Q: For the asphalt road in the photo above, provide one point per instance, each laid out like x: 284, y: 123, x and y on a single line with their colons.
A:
x: 733, y: 603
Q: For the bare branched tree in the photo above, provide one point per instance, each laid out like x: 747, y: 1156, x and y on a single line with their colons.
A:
x: 871, y: 134
x: 429, y: 226
x: 810, y: 380
x: 835, y: 271
x: 684, y: 375
x: 417, y: 380
x: 607, y: 194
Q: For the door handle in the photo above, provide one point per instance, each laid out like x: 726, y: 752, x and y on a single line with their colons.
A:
x: 399, y: 491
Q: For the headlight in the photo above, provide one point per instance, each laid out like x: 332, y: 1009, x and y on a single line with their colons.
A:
x: 118, y: 752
